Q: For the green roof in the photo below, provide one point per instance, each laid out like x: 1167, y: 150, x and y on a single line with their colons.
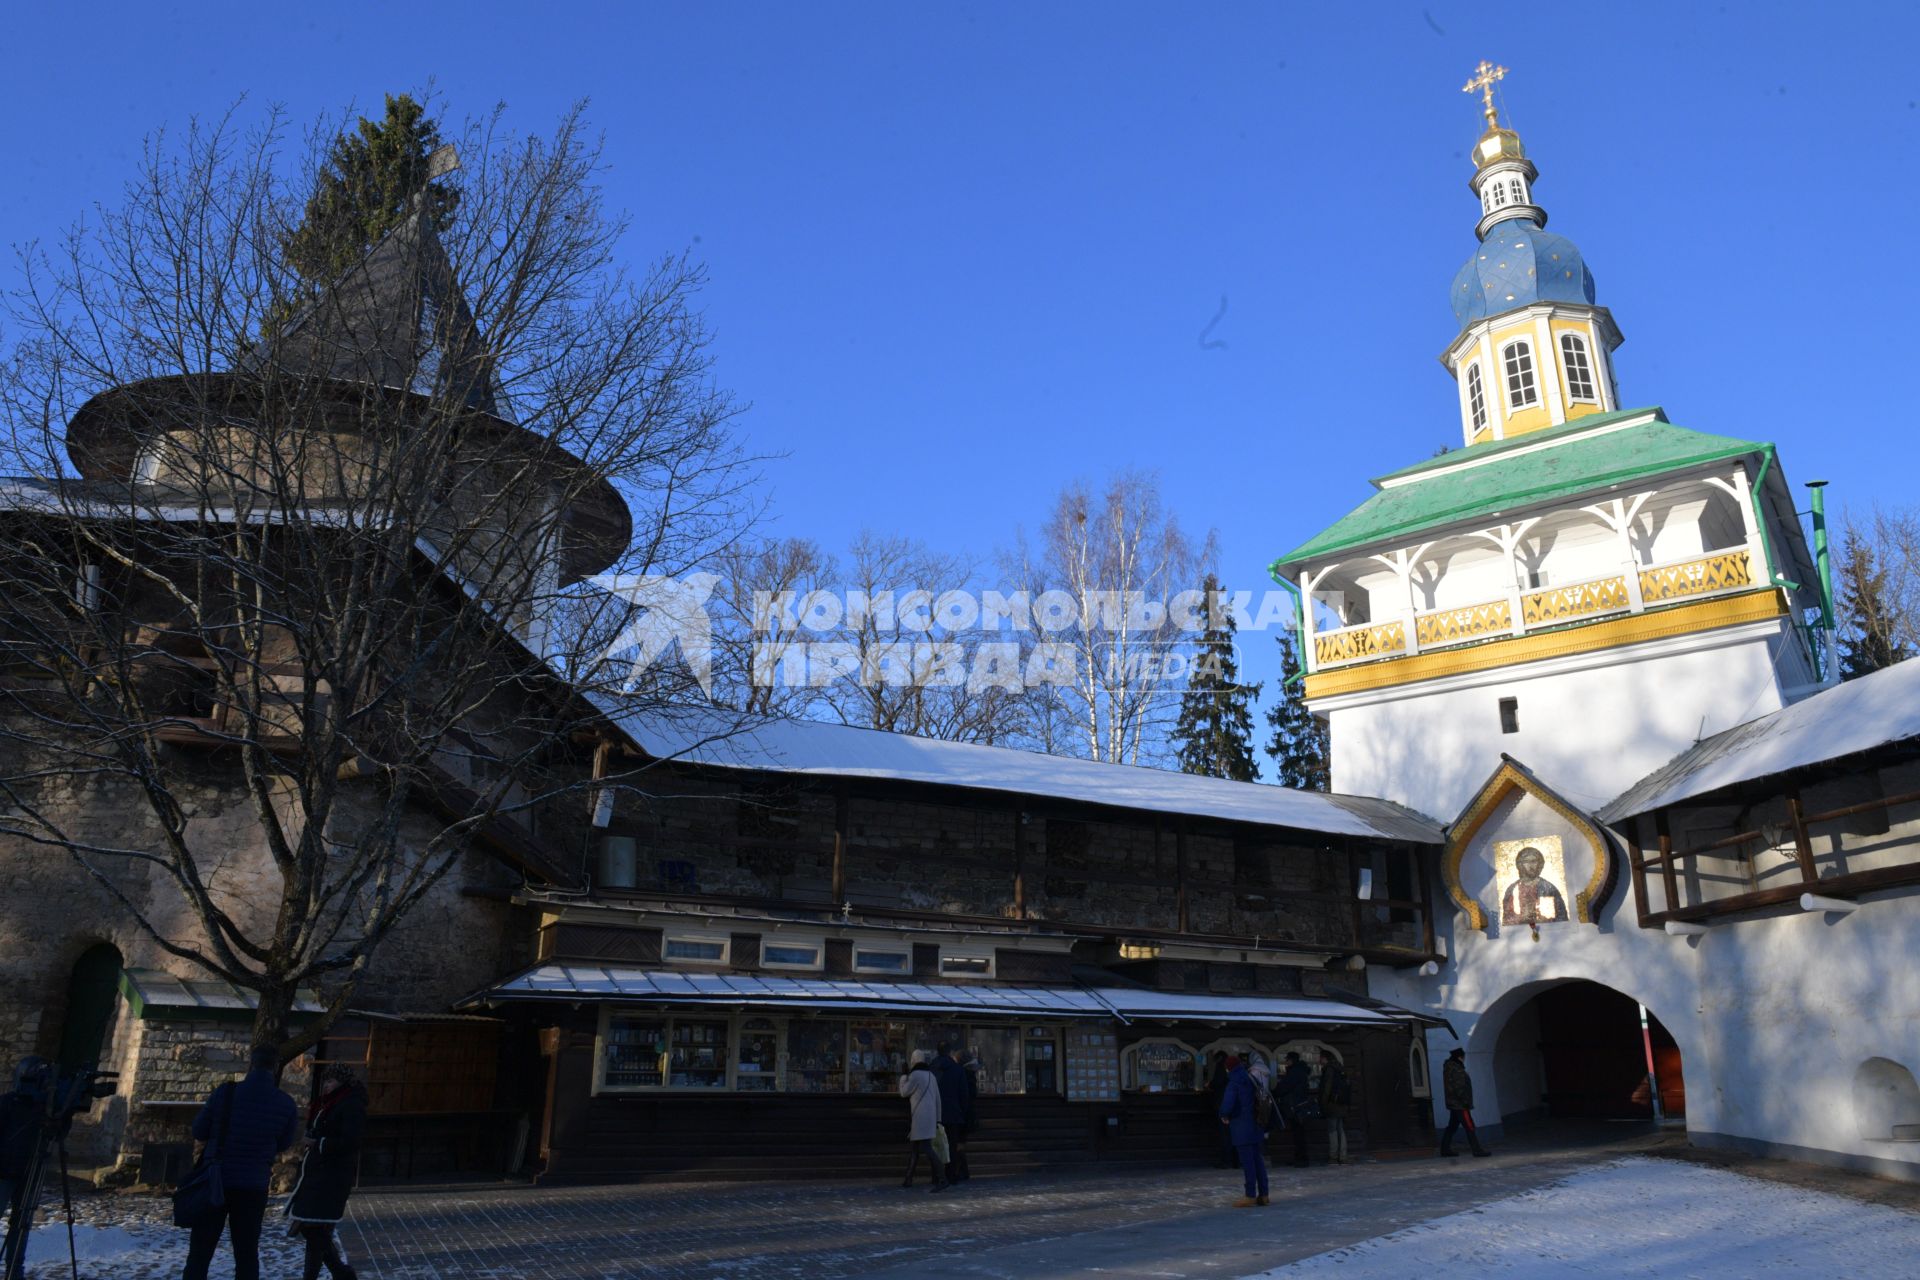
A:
x: 1488, y: 479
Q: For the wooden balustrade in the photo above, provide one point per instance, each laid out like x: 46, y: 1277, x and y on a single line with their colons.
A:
x: 1579, y: 600
x: 1707, y: 575
x: 1443, y: 627
x: 1352, y: 644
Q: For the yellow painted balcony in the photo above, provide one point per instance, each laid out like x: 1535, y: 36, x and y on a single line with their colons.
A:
x: 1552, y: 605
x: 1708, y: 575
x: 1442, y: 627
x: 1354, y: 644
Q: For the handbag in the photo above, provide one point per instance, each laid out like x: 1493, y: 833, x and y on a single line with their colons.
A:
x: 202, y: 1194
x: 941, y: 1151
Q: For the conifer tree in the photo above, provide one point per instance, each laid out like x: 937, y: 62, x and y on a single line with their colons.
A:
x: 1214, y: 734
x: 1868, y: 639
x: 1301, y: 748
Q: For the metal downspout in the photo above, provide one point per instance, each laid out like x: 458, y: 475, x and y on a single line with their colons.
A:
x: 1300, y: 620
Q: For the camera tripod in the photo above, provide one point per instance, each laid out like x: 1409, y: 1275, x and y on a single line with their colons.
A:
x: 34, y: 1120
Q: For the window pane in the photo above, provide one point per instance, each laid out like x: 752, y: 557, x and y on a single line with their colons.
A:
x: 1159, y: 1066
x: 1520, y: 388
x: 1041, y: 1061
x: 756, y: 1069
x: 998, y: 1051
x: 816, y: 1057
x: 1579, y: 372
x: 885, y: 961
x: 1476, y: 397
x: 697, y: 1057
x: 963, y: 965
x: 786, y: 953
x: 688, y: 949
x: 634, y: 1047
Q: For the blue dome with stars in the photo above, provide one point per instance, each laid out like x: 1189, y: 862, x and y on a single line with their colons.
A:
x: 1519, y: 263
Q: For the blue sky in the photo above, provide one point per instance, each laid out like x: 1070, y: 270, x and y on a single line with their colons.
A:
x: 961, y: 254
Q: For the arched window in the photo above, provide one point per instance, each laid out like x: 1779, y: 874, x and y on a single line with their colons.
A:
x: 1496, y: 195
x: 1476, y: 397
x: 1519, y: 192
x: 1417, y: 1069
x: 1160, y: 1065
x: 1573, y: 351
x: 1522, y: 391
x: 1246, y: 1050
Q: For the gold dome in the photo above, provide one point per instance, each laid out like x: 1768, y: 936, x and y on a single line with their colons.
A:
x: 1497, y: 144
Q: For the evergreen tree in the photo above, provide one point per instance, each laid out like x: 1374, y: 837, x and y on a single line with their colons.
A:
x: 1214, y: 734
x: 1868, y: 637
x: 367, y: 188
x: 1301, y: 747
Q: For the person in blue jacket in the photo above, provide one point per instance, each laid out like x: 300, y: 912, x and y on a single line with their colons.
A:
x: 247, y: 1123
x: 1240, y: 1112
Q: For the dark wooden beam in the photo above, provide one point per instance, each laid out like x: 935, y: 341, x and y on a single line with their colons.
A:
x: 1637, y: 864
x: 1838, y: 887
x: 1667, y: 876
x: 1802, y: 846
x: 839, y: 873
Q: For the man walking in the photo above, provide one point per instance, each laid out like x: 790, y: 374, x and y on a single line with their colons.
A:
x: 1240, y: 1113
x: 957, y: 1091
x: 1291, y: 1097
x: 1457, y: 1085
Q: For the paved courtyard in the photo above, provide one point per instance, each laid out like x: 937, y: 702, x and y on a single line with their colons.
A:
x: 1643, y: 1207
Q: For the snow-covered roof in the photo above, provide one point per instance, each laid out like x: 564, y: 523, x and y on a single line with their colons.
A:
x: 838, y: 751
x: 848, y: 995
x: 1856, y: 716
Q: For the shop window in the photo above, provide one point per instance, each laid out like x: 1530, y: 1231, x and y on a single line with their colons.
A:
x: 876, y: 1055
x: 1041, y: 1058
x: 966, y: 966
x: 871, y: 960
x: 1213, y: 1058
x: 1522, y: 391
x: 790, y: 955
x: 1315, y: 1053
x: 1160, y: 1066
x: 650, y: 1051
x: 1573, y: 350
x: 816, y: 1057
x: 997, y: 1049
x: 696, y: 950
x: 756, y: 1069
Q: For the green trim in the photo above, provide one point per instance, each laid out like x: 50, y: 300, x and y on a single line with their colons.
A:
x: 1492, y: 448
x: 1300, y: 619
x: 1575, y: 466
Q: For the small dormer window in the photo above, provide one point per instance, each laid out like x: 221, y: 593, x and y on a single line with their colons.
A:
x: 1580, y: 385
x: 1476, y: 398
x: 1522, y: 390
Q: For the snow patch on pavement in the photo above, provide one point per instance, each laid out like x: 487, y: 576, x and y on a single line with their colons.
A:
x: 1640, y: 1217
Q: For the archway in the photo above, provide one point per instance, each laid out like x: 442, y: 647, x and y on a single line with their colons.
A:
x: 93, y: 992
x: 1577, y: 1050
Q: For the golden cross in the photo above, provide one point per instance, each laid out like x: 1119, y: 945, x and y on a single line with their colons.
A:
x: 1482, y: 83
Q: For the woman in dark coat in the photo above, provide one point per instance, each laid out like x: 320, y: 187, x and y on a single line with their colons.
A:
x: 329, y: 1169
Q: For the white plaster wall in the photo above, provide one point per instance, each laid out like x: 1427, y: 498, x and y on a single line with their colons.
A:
x: 1773, y: 1014
x: 1591, y: 731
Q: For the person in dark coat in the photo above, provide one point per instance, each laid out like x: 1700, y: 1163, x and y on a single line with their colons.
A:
x: 957, y: 1092
x: 1240, y: 1113
x: 1457, y: 1086
x: 245, y: 1124
x: 328, y: 1170
x: 1296, y: 1086
x: 1336, y: 1094
x: 1226, y: 1157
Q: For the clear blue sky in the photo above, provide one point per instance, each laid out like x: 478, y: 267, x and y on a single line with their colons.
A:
x: 962, y: 253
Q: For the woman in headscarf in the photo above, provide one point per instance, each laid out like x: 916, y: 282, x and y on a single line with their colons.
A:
x: 329, y: 1169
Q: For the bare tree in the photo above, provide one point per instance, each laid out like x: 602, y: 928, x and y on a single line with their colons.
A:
x: 343, y: 575
x: 1110, y: 563
x: 1878, y: 590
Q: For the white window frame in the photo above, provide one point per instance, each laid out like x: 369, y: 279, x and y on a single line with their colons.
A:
x: 966, y: 958
x: 1570, y: 343
x: 1476, y: 399
x: 1518, y: 190
x: 704, y: 940
x: 1417, y: 1069
x: 1508, y: 353
x: 904, y: 971
x: 1497, y: 195
x: 1130, y: 1052
x: 817, y: 946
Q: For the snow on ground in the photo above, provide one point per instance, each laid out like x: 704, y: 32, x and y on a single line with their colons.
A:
x: 1640, y: 1217
x: 133, y: 1238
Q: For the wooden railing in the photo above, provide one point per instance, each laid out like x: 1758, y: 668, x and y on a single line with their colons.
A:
x: 1578, y: 600
x: 1443, y: 627
x: 1352, y: 644
x: 1705, y: 576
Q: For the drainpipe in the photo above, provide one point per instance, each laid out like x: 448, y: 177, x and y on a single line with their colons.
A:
x: 1300, y: 620
x: 1821, y: 557
x: 1760, y: 518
